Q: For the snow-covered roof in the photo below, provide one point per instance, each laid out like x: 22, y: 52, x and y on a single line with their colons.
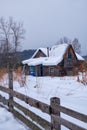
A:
x: 26, y: 61
x: 44, y: 50
x: 36, y: 61
x: 55, y: 56
x: 79, y: 57
x: 44, y: 60
x: 52, y: 61
x: 59, y: 50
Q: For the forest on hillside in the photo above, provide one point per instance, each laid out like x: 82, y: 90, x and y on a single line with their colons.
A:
x: 26, y: 54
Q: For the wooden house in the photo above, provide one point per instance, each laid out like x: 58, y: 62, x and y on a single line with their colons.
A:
x: 41, y: 52
x: 61, y: 60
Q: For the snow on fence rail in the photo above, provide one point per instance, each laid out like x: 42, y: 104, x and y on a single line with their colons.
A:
x: 54, y: 110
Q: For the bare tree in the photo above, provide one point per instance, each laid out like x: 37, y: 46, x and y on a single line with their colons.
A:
x: 11, y: 34
x: 64, y: 40
x: 76, y: 45
x: 18, y: 34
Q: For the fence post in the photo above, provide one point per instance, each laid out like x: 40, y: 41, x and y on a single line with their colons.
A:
x: 10, y: 75
x: 54, y: 102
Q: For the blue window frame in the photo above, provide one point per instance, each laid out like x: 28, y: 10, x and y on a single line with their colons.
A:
x: 69, y: 57
x: 32, y: 70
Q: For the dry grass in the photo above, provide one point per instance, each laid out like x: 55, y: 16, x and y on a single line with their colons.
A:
x: 17, y: 76
x: 20, y: 77
x: 2, y: 73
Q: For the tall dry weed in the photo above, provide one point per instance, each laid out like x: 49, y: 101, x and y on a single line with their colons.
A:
x: 20, y: 77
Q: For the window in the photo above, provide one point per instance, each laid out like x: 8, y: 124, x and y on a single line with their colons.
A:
x: 51, y: 70
x: 69, y: 57
x: 32, y: 70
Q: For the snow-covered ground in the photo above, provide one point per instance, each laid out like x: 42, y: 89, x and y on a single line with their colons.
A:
x: 72, y: 94
x: 8, y: 122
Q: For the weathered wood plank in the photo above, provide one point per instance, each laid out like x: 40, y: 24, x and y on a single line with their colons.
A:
x: 55, y: 102
x: 33, y: 102
x: 29, y: 123
x: 4, y: 89
x: 72, y: 113
x: 66, y: 123
x: 27, y: 112
x: 45, y: 124
x: 4, y: 100
x: 77, y: 115
x: 52, y: 110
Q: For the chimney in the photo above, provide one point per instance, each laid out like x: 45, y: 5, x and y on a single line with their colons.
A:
x: 48, y: 51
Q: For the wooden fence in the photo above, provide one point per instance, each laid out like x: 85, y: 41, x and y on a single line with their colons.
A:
x: 35, y: 122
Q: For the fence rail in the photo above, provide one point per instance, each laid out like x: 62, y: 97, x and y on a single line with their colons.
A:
x: 54, y: 110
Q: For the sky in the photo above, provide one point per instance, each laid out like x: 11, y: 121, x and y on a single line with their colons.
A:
x: 46, y: 21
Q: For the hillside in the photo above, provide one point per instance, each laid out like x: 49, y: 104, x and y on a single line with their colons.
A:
x: 26, y: 54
